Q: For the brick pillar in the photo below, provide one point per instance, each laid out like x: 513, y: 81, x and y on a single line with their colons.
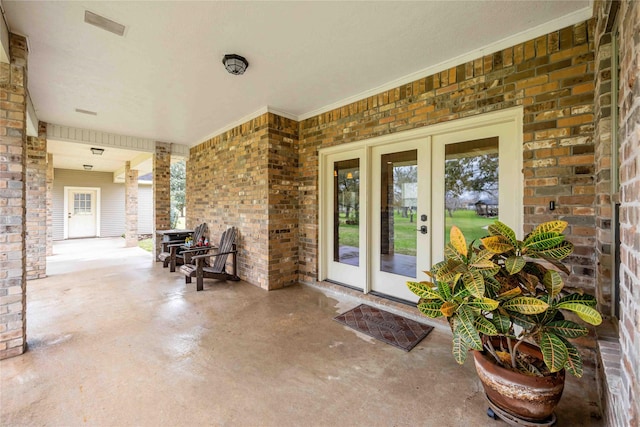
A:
x: 602, y: 150
x: 629, y: 135
x: 49, y: 204
x: 161, y: 191
x: 13, y: 84
x: 131, y: 206
x: 283, y: 202
x: 36, y: 193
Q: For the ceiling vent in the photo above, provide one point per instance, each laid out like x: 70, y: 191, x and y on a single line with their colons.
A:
x: 104, y: 23
x: 81, y: 111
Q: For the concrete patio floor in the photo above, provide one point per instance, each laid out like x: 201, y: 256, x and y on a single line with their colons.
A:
x: 116, y: 340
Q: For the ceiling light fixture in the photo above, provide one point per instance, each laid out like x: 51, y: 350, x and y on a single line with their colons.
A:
x: 97, y: 151
x: 87, y: 167
x: 104, y: 23
x: 235, y: 64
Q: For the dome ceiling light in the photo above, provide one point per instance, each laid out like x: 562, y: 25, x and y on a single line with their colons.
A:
x: 235, y: 64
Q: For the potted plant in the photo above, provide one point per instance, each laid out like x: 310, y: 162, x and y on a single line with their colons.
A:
x: 505, y: 300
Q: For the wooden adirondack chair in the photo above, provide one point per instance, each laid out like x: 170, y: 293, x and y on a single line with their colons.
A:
x: 172, y: 254
x: 201, y: 267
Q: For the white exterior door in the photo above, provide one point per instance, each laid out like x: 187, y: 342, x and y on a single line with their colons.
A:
x: 82, y: 213
x: 400, y: 221
x: 344, y: 213
x: 387, y: 204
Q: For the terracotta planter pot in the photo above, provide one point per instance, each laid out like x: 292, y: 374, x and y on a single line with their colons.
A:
x: 528, y: 397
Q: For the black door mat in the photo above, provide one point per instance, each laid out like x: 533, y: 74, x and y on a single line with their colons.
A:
x: 388, y: 327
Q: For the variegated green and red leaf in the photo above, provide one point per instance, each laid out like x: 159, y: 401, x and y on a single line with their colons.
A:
x: 426, y: 290
x: 500, y: 229
x: 474, y: 283
x: 525, y: 305
x: 431, y: 309
x: 457, y: 240
x: 497, y: 244
x: 514, y: 264
x: 554, y: 351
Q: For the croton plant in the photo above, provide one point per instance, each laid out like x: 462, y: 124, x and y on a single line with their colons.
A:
x: 509, y: 288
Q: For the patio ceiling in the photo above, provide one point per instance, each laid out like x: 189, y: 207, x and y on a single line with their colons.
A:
x: 164, y: 79
x: 69, y: 155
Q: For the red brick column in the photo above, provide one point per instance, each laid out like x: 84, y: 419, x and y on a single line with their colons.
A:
x: 131, y: 206
x: 161, y: 191
x: 13, y: 84
x: 36, y: 193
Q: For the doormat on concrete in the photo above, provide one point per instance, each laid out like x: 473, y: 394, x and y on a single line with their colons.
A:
x: 388, y: 327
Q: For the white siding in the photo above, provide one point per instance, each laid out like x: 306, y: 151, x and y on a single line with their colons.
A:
x: 111, y: 203
x: 145, y: 209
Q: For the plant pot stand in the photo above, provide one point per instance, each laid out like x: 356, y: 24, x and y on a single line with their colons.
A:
x: 494, y: 412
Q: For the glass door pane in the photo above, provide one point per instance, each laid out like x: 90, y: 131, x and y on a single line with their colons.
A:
x: 346, y: 212
x: 471, y: 186
x: 398, y: 205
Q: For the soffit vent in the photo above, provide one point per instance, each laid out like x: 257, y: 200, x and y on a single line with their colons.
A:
x: 81, y: 111
x: 104, y: 23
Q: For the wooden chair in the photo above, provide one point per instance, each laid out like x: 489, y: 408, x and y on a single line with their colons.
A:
x: 201, y: 267
x: 172, y: 248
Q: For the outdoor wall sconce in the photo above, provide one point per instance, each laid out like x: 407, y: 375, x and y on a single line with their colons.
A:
x: 87, y: 167
x: 97, y: 151
x: 235, y: 64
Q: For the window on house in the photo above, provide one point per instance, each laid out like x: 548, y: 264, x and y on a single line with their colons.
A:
x: 82, y: 204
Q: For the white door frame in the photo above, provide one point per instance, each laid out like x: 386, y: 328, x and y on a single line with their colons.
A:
x: 385, y: 282
x: 67, y: 190
x: 357, y: 274
x: 512, y: 118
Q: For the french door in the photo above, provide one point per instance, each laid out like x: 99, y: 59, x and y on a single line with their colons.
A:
x: 400, y: 208
x: 388, y: 204
x: 345, y: 209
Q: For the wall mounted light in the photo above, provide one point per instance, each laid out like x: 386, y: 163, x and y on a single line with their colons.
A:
x: 87, y: 167
x: 97, y: 151
x: 235, y: 64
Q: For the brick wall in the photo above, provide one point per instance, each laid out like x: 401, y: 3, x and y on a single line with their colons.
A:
x: 552, y: 77
x: 161, y: 191
x: 36, y: 193
x: 13, y: 84
x: 629, y: 135
x: 619, y: 374
x: 245, y: 178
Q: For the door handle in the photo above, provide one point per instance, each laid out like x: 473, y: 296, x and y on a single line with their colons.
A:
x: 69, y: 215
x: 423, y: 229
